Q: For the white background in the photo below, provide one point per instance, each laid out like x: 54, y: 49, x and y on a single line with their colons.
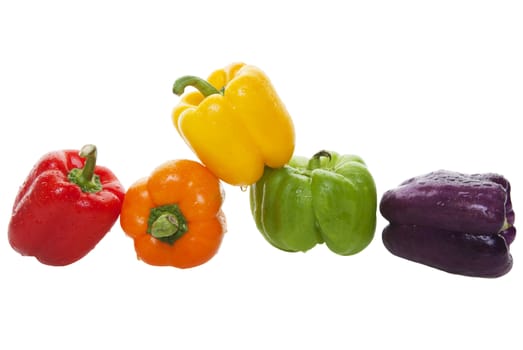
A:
x: 410, y: 86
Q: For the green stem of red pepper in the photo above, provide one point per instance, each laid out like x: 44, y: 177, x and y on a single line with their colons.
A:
x: 205, y: 88
x: 85, y: 177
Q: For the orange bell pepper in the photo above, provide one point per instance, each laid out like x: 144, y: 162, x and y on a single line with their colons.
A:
x: 174, y: 216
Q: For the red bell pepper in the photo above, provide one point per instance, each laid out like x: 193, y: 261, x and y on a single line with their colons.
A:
x: 65, y: 207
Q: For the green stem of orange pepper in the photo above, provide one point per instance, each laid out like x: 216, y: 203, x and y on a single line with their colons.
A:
x: 167, y: 223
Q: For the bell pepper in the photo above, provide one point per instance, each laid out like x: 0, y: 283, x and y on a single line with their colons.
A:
x: 458, y: 223
x: 174, y: 216
x: 329, y: 198
x: 65, y: 207
x: 235, y: 123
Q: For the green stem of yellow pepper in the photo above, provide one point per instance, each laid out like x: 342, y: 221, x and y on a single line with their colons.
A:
x: 202, y: 85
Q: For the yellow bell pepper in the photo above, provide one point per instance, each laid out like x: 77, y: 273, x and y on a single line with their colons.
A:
x: 235, y: 123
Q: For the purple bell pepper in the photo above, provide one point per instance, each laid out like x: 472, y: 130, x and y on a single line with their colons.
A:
x: 459, y: 223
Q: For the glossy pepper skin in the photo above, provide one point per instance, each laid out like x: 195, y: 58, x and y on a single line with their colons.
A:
x: 174, y: 216
x: 65, y: 207
x: 235, y: 123
x: 459, y: 223
x: 329, y: 198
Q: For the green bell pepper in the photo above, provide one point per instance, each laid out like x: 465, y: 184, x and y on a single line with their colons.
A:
x: 329, y: 199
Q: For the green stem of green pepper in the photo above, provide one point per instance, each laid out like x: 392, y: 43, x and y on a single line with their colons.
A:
x: 315, y: 161
x: 205, y: 88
